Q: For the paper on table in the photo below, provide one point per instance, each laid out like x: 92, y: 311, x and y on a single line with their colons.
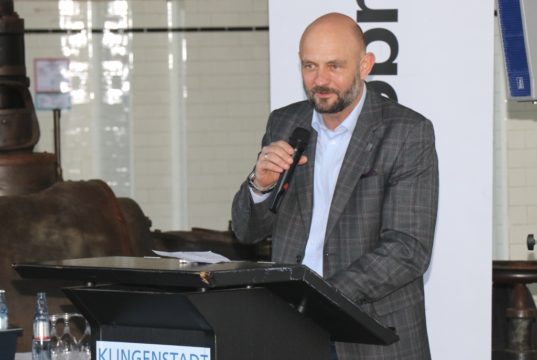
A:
x: 207, y: 257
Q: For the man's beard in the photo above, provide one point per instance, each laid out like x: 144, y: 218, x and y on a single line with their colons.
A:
x: 343, y: 99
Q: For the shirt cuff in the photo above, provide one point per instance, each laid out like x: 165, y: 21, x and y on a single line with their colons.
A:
x: 258, y: 198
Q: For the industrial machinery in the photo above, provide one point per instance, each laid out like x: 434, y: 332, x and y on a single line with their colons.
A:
x: 21, y: 170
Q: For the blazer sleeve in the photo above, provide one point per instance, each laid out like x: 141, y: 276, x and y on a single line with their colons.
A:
x: 252, y: 222
x: 403, y: 250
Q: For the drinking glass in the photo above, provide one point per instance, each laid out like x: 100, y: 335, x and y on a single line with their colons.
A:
x: 84, y: 343
x: 67, y: 340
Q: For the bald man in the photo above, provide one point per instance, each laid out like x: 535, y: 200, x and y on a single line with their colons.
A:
x: 361, y: 208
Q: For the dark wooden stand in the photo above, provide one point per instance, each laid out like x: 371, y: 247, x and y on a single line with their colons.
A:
x: 240, y: 310
x: 520, y: 313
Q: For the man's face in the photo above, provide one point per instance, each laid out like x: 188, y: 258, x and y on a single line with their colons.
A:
x: 331, y: 72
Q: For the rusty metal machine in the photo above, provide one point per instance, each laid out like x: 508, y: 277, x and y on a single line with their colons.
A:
x: 21, y: 170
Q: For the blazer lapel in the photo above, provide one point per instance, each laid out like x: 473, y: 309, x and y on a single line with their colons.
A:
x: 357, y: 158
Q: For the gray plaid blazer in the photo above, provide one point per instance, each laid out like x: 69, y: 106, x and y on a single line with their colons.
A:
x: 382, y: 218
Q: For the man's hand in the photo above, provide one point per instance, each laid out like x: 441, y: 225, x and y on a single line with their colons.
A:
x: 274, y: 159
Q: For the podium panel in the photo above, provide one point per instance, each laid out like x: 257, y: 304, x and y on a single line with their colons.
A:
x: 235, y: 311
x: 237, y: 324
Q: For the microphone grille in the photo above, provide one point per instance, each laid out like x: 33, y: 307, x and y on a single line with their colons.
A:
x: 299, y: 137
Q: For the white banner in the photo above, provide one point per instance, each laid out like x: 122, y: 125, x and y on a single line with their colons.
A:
x: 116, y: 350
x: 439, y: 61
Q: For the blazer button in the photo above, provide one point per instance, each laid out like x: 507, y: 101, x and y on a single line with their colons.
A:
x: 298, y: 259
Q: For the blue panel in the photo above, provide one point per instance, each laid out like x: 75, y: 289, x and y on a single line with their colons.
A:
x: 518, y: 74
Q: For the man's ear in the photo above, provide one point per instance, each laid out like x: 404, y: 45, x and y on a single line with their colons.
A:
x: 368, y: 60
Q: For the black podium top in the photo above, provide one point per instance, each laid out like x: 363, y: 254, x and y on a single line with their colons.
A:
x: 164, y: 272
x: 297, y: 284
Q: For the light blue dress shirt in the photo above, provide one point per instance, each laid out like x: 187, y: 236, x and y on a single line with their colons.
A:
x: 329, y: 153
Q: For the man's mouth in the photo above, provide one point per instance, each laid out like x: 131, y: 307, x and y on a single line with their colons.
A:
x: 323, y: 92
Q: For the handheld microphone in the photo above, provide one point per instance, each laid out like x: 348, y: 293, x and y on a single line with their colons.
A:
x: 299, y: 141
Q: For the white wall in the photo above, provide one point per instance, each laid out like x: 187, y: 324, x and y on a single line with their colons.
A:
x: 515, y: 165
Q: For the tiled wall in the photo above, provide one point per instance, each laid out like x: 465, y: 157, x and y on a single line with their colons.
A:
x: 516, y: 169
x: 227, y: 110
x: 198, y: 105
x: 521, y: 133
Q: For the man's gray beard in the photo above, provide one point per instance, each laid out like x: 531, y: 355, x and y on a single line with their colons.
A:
x: 343, y: 100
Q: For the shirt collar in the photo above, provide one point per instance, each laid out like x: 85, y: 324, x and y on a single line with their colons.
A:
x: 347, y: 125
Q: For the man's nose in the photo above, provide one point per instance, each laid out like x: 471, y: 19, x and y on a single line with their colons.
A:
x: 322, y: 77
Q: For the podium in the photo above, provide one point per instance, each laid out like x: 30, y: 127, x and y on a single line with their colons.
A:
x: 235, y: 310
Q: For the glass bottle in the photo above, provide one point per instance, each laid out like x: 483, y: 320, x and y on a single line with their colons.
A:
x: 41, y: 329
x: 3, y: 311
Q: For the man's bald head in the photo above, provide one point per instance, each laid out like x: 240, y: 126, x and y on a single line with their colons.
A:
x: 337, y: 25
